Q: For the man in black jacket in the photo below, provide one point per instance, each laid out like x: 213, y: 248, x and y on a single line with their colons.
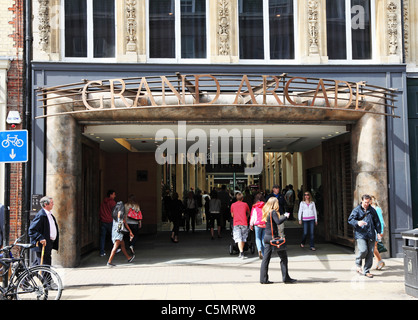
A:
x: 43, y: 231
x: 366, y: 224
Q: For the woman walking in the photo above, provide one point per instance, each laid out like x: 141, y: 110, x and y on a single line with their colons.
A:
x: 257, y: 224
x: 308, y: 216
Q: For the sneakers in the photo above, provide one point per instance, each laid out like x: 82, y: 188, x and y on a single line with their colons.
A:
x: 131, y: 259
x: 111, y: 264
x: 242, y: 256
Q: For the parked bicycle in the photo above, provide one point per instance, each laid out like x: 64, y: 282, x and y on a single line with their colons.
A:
x: 27, y: 283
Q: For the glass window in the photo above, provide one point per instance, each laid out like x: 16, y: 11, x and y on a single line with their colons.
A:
x: 266, y: 29
x: 282, y: 44
x: 162, y: 29
x: 89, y: 28
x: 177, y: 29
x: 336, y: 30
x: 76, y: 28
x: 349, y: 29
x: 104, y: 28
x: 361, y: 38
x: 251, y: 30
x: 193, y: 29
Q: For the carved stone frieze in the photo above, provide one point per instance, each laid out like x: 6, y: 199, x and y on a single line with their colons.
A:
x: 223, y: 28
x: 392, y: 25
x: 313, y: 24
x: 44, y: 24
x: 406, y: 28
x: 131, y: 37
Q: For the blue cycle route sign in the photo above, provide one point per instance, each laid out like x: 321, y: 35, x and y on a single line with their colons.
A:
x: 13, y: 146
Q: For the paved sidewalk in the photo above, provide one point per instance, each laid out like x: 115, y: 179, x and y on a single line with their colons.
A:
x: 198, y: 268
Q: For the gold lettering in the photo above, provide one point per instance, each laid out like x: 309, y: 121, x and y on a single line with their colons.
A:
x: 286, y: 91
x: 176, y: 93
x: 273, y: 92
x: 120, y: 94
x: 218, y: 87
x: 358, y: 95
x: 350, y: 97
x: 324, y: 91
x: 250, y: 90
x: 149, y: 93
x: 84, y: 95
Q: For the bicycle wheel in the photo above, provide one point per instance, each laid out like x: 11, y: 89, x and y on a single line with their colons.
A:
x: 39, y: 283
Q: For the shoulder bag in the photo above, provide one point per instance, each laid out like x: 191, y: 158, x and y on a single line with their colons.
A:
x: 278, y: 241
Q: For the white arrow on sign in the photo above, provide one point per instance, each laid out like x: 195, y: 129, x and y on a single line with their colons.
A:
x: 13, y: 154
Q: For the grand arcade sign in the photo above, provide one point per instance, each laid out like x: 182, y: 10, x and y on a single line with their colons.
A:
x: 199, y: 90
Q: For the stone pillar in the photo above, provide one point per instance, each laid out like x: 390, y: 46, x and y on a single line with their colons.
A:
x: 369, y: 163
x: 63, y: 170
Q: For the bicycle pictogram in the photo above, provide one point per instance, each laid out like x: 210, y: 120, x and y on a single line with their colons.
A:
x: 14, y: 141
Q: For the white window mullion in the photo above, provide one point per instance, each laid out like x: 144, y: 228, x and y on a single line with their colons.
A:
x: 177, y: 5
x: 266, y: 30
x: 90, y: 30
x: 348, y: 30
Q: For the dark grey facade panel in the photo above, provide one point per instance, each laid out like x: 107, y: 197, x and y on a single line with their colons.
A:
x: 393, y: 76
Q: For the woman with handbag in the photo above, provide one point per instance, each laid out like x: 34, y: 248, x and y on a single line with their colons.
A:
x: 272, y: 219
x: 120, y: 227
x: 134, y: 220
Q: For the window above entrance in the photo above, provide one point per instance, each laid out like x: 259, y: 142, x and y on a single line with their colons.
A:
x: 350, y: 35
x: 89, y: 29
x: 177, y: 29
x: 267, y: 29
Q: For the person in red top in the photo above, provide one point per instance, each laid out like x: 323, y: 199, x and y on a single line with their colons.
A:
x: 106, y: 219
x: 240, y: 213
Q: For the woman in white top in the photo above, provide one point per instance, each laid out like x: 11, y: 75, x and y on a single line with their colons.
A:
x: 308, y: 216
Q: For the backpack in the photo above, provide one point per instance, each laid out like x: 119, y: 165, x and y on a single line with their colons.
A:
x: 119, y: 207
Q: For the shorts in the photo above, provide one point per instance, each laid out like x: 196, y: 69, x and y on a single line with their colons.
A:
x: 240, y: 233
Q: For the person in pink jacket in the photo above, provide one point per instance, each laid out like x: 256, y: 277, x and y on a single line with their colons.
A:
x: 257, y: 224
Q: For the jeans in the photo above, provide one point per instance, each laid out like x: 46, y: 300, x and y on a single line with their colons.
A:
x: 105, y: 228
x: 259, y: 238
x: 308, y: 226
x: 365, y: 248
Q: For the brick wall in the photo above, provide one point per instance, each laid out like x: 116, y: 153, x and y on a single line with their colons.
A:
x: 12, y: 46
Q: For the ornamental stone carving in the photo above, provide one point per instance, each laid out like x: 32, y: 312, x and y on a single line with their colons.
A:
x: 313, y: 24
x: 223, y: 28
x: 392, y: 25
x: 44, y: 24
x: 406, y: 28
x: 131, y: 39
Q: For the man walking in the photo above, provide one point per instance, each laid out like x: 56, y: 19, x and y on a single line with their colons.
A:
x: 240, y: 213
x: 106, y: 219
x: 43, y: 232
x: 366, y: 224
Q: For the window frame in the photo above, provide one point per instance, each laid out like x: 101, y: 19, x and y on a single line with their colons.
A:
x: 348, y: 33
x: 90, y: 36
x: 177, y: 16
x: 266, y: 37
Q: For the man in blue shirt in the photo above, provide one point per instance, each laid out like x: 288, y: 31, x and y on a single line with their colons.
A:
x: 366, y: 224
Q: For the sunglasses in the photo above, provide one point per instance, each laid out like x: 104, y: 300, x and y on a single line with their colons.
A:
x: 307, y: 195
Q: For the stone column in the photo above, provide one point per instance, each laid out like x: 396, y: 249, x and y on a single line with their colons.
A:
x: 63, y: 169
x: 369, y: 162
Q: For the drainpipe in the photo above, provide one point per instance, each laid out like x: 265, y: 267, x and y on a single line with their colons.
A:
x: 27, y: 111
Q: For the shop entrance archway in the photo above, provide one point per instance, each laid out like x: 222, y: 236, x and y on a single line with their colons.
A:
x: 71, y: 111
